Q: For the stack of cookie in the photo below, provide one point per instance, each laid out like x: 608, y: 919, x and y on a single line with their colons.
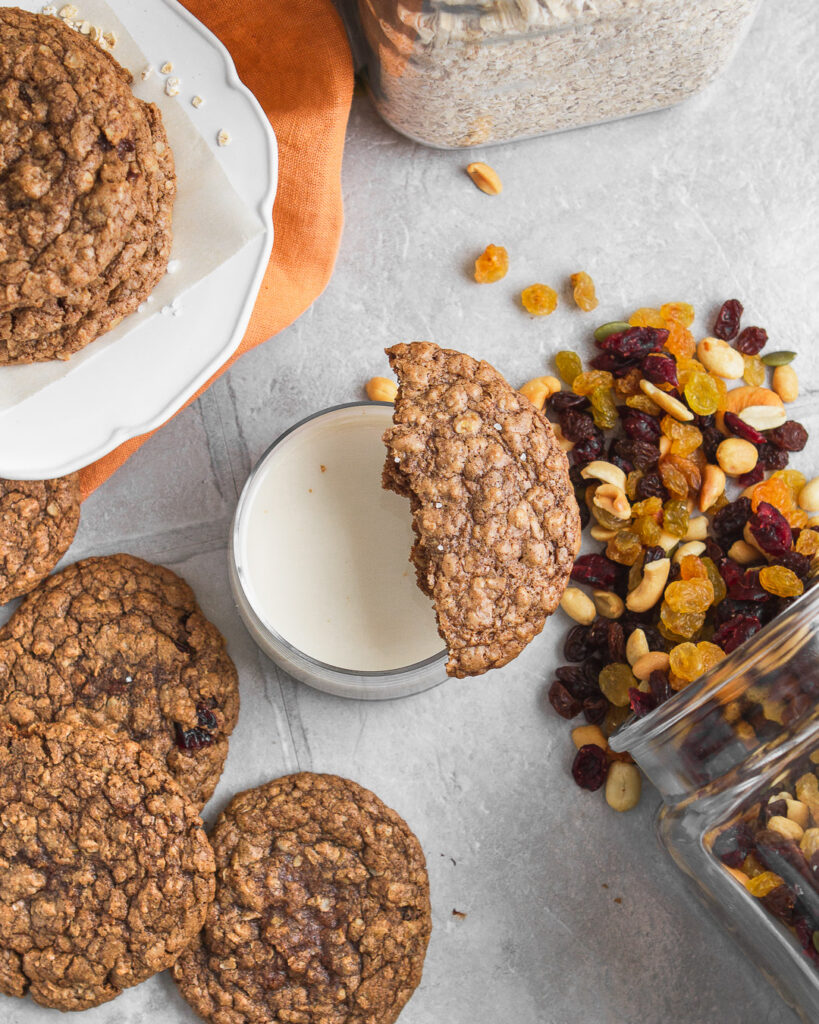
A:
x: 87, y: 186
x: 117, y: 698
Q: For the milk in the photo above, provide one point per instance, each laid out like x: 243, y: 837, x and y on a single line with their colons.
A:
x: 324, y: 549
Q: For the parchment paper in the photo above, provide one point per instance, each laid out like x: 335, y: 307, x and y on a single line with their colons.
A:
x: 211, y: 222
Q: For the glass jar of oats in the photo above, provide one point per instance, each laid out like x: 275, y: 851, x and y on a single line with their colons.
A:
x: 456, y: 73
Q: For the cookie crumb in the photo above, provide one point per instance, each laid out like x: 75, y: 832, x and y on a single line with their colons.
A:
x: 618, y: 899
x: 458, y: 913
x: 68, y: 11
x: 172, y: 86
x: 49, y: 10
x: 110, y: 39
x: 223, y: 138
x: 197, y: 101
x: 324, y: 469
x: 146, y: 72
x: 173, y: 266
x: 166, y: 68
x: 83, y: 27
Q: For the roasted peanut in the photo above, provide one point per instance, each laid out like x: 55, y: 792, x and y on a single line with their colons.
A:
x: 713, y: 484
x: 697, y: 528
x: 654, y: 661
x: 636, y: 646
x: 666, y: 402
x: 381, y: 389
x: 798, y: 812
x: 609, y: 605
x: 785, y: 827
x: 743, y: 553
x: 585, y: 734
x: 602, y: 533
x: 785, y: 383
x: 486, y: 178
x: 539, y: 389
x: 623, y: 785
x: 809, y: 496
x: 763, y: 417
x: 809, y: 843
x: 578, y: 606
x: 720, y: 359
x: 740, y: 876
x: 650, y: 588
x: 736, y: 456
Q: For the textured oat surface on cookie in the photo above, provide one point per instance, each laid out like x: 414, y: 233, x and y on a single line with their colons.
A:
x: 38, y: 520
x: 120, y: 643
x: 74, y: 153
x: 105, y: 871
x: 321, y: 914
x: 494, y: 512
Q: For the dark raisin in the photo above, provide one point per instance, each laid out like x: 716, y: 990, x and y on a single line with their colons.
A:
x: 730, y: 521
x: 585, y: 514
x: 595, y: 709
x: 563, y: 702
x: 192, y: 739
x: 644, y: 455
x: 653, y: 554
x: 576, y: 644
x: 736, y: 631
x: 577, y: 426
x: 772, y: 809
x: 752, y: 340
x: 607, y: 636
x: 739, y: 428
x: 797, y: 563
x: 734, y: 844
x: 771, y: 530
x: 726, y: 326
x: 772, y: 457
x: 590, y: 767
x: 587, y: 451
x: 639, y: 426
x: 659, y: 369
x: 711, y: 440
x: 576, y: 680
x: 641, y: 703
x: 660, y: 686
x: 780, y: 902
x: 790, y: 437
x: 713, y: 551
x: 596, y: 571
x: 651, y: 486
x: 704, y: 422
x: 749, y: 479
x: 562, y: 401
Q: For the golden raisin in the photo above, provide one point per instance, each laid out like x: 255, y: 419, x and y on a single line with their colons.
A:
x: 754, y: 372
x: 584, y: 294
x: 491, y: 265
x: 685, y: 438
x: 774, y: 491
x: 678, y: 312
x: 675, y: 518
x: 629, y: 383
x: 681, y: 624
x: 702, y: 394
x: 781, y: 581
x: 648, y: 530
x: 717, y: 582
x: 692, y: 568
x: 686, y: 662
x: 539, y: 299
x: 680, y: 341
x: 647, y: 317
x: 673, y: 480
x: 689, y: 595
x: 585, y: 383
x: 711, y: 654
x: 763, y: 884
x: 604, y: 411
x: 568, y: 365
x: 615, y: 681
x: 624, y: 548
x: 807, y: 543
x: 648, y: 507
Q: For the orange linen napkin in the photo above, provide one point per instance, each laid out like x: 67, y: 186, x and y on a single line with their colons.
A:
x: 294, y: 56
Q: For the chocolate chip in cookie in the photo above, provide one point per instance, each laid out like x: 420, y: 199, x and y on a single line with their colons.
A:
x: 493, y: 509
x: 105, y: 870
x: 321, y: 913
x: 120, y: 643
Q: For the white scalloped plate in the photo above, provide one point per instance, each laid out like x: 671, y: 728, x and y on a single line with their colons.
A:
x: 140, y: 380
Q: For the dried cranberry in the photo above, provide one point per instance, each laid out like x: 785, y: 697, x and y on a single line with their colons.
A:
x: 804, y: 932
x: 728, y: 608
x: 562, y: 401
x: 609, y: 361
x: 751, y: 340
x: 771, y: 530
x: 563, y: 702
x: 713, y: 551
x: 790, y: 437
x: 595, y: 570
x: 736, y: 631
x: 730, y: 521
x: 651, y: 486
x: 797, y: 563
x: 780, y: 902
x: 590, y: 767
x: 660, y: 686
x: 576, y: 644
x: 734, y: 844
x: 711, y: 440
x: 587, y: 451
x: 771, y: 457
x: 641, y: 703
x: 595, y: 709
x: 742, y: 584
x: 739, y: 428
x: 639, y: 426
x: 659, y: 369
x: 635, y: 344
x: 726, y: 326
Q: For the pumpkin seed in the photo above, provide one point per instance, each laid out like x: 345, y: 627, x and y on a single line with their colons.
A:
x: 778, y: 358
x: 614, y: 327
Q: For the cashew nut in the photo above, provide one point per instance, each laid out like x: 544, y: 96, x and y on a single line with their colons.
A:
x: 666, y: 402
x: 606, y: 472
x: 539, y: 389
x: 650, y: 588
x: 602, y: 533
x: 743, y: 553
x: 693, y: 547
x: 713, y: 484
x: 612, y: 500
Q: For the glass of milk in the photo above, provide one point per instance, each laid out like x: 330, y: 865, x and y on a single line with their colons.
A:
x: 319, y: 561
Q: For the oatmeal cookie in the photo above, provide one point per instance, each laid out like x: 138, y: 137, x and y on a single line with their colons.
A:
x: 105, y: 870
x: 58, y: 327
x: 493, y: 509
x: 121, y: 643
x: 38, y: 520
x: 321, y: 913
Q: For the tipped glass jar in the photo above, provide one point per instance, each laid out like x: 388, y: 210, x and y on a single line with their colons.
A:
x: 735, y: 757
x: 456, y: 73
